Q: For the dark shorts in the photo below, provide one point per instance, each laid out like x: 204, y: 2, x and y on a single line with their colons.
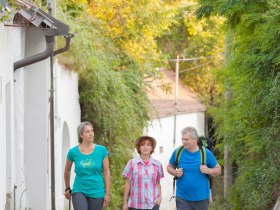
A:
x: 82, y: 202
x: 182, y: 204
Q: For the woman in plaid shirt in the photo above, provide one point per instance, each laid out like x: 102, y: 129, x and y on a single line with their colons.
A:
x: 142, y: 189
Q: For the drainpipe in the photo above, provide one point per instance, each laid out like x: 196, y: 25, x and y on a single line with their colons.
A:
x: 51, y: 100
x: 67, y: 45
x: 47, y: 53
x: 38, y: 57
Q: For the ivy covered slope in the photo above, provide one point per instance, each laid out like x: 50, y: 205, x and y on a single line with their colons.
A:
x: 250, y: 121
x: 112, y: 51
x: 112, y: 99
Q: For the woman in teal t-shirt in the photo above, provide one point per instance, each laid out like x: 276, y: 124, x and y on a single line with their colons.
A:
x: 91, y: 162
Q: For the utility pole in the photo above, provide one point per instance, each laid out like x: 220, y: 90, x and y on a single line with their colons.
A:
x: 176, y: 99
x: 177, y: 60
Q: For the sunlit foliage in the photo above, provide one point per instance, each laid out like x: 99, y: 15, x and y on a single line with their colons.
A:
x: 190, y: 37
x: 249, y: 122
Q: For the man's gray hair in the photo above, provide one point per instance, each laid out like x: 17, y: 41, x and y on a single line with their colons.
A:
x: 80, y: 130
x: 191, y: 131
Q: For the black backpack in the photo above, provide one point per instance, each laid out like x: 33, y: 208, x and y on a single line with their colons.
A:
x: 206, y: 142
x: 203, y: 142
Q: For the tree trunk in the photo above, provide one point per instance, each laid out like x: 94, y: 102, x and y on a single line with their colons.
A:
x: 227, y: 172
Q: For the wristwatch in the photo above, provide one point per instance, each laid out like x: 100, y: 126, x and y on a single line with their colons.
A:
x: 68, y: 189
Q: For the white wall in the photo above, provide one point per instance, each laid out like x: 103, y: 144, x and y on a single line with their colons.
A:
x: 67, y: 115
x: 3, y: 81
x: 24, y: 122
x: 19, y: 93
x: 36, y: 125
x: 163, y: 131
x: 9, y: 38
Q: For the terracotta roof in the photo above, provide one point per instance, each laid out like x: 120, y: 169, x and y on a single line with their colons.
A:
x: 163, y: 102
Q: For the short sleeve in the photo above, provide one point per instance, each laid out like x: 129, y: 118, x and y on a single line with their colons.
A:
x: 172, y: 158
x: 127, y: 172
x: 70, y: 155
x: 105, y: 152
x: 160, y: 173
x: 211, y: 160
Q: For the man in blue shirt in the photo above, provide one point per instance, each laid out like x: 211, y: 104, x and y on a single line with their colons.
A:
x: 192, y: 186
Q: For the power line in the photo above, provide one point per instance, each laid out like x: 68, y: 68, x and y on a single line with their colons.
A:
x: 194, y: 67
x: 189, y: 59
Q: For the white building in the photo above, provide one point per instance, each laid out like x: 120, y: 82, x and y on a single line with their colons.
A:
x: 167, y: 123
x: 25, y: 152
x: 25, y: 115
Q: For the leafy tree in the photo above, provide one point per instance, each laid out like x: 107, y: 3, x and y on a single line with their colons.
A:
x: 194, y: 38
x: 249, y: 123
x: 134, y: 25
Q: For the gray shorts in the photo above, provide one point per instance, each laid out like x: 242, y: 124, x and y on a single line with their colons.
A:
x: 182, y: 204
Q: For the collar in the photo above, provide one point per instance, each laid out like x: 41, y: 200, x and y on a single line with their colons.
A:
x: 139, y: 160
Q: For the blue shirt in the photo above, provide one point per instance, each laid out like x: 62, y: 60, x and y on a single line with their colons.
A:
x: 193, y: 185
x: 88, y: 169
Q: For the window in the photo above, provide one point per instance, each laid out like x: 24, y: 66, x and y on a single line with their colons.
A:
x: 160, y: 149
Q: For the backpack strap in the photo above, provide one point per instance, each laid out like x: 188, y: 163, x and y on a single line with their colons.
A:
x: 202, y: 150
x: 178, y: 154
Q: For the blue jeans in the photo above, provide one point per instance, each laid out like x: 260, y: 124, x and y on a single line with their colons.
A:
x: 182, y: 204
x: 82, y: 202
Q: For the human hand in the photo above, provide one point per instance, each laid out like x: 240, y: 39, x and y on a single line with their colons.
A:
x: 179, y: 172
x: 67, y: 194
x: 125, y: 206
x: 204, y: 169
x: 106, y: 200
x: 159, y: 200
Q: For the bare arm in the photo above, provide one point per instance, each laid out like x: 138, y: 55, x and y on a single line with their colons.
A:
x: 107, y: 179
x: 125, y: 193
x: 216, y: 171
x: 67, y: 173
x: 159, y: 192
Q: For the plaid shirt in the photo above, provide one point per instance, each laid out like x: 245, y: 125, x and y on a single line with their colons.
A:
x: 143, y: 182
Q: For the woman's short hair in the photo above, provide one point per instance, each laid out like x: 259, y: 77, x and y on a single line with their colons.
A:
x: 80, y: 130
x: 141, y: 140
x: 191, y: 131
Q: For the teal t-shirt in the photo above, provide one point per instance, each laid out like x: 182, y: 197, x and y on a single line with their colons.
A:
x: 88, y: 168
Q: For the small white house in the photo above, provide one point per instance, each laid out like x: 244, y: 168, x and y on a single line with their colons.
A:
x: 25, y: 152
x: 168, y: 119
